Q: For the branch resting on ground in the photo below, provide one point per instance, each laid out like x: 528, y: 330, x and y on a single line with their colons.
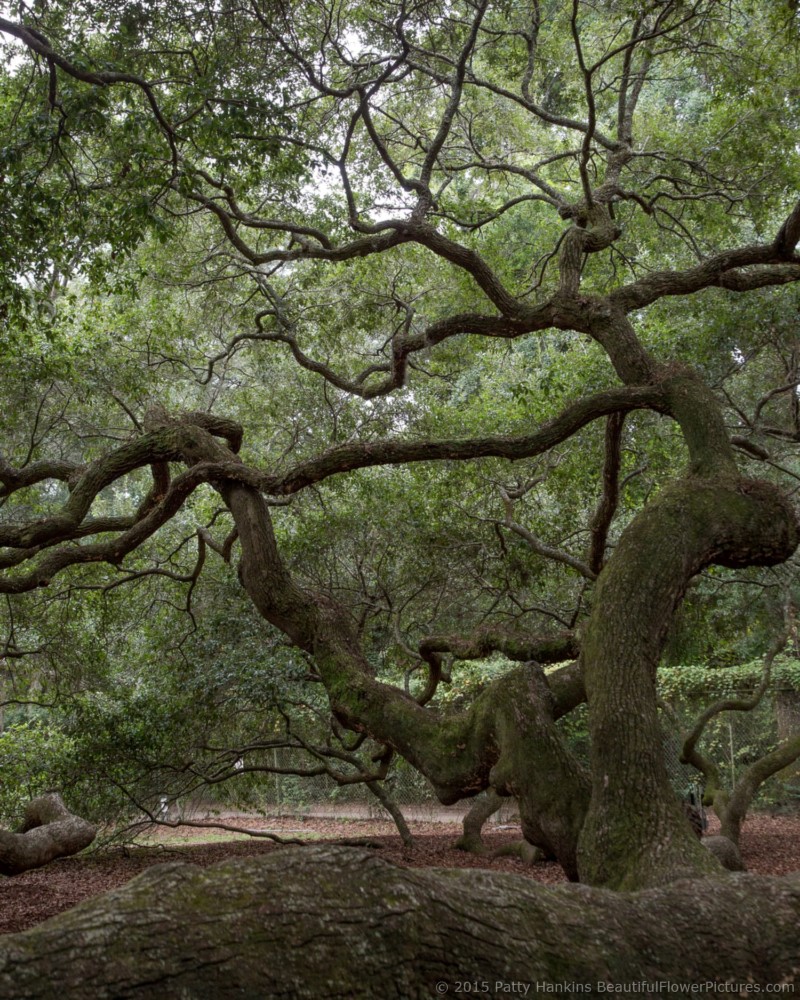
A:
x: 49, y: 831
x: 272, y: 926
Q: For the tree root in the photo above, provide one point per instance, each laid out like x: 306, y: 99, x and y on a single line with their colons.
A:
x: 529, y: 854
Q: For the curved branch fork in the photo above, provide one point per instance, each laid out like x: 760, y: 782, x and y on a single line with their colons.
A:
x: 50, y: 831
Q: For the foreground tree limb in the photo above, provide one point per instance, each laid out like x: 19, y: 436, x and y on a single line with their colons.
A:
x: 329, y: 922
x: 49, y: 831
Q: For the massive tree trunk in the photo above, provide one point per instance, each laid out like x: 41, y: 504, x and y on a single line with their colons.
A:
x: 636, y: 834
x: 49, y: 831
x: 328, y: 922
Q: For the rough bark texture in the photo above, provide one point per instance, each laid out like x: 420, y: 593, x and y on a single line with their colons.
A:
x: 49, y: 831
x: 635, y: 834
x: 325, y: 922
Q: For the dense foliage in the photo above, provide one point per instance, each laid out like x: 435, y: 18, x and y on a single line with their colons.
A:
x: 460, y: 329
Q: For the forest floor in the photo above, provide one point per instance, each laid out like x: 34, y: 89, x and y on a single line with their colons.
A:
x: 770, y: 846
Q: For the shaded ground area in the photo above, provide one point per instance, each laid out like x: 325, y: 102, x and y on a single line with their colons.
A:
x: 770, y: 846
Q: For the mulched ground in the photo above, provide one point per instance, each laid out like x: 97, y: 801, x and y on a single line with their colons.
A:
x: 770, y: 846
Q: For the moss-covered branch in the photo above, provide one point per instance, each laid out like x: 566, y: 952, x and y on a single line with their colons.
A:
x: 274, y: 927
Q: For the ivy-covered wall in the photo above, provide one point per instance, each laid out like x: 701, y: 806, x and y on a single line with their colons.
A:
x: 689, y: 683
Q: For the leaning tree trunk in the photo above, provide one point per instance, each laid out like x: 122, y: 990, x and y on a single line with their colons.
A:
x: 732, y: 809
x: 274, y: 927
x: 484, y: 806
x: 387, y: 801
x: 49, y: 831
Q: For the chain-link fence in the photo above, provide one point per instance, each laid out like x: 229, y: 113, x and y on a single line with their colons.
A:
x: 735, y: 740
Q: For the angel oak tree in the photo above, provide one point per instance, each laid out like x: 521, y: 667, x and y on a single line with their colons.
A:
x: 547, y: 169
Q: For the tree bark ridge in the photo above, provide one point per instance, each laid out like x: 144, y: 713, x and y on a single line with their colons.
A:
x: 331, y: 922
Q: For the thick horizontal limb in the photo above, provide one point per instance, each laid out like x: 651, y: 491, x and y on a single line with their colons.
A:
x: 772, y: 264
x: 273, y: 926
x: 361, y: 455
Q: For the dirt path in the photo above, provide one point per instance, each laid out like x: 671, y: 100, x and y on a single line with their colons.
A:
x: 770, y: 845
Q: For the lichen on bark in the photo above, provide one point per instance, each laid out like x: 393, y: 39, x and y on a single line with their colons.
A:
x: 635, y: 834
x: 318, y: 923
